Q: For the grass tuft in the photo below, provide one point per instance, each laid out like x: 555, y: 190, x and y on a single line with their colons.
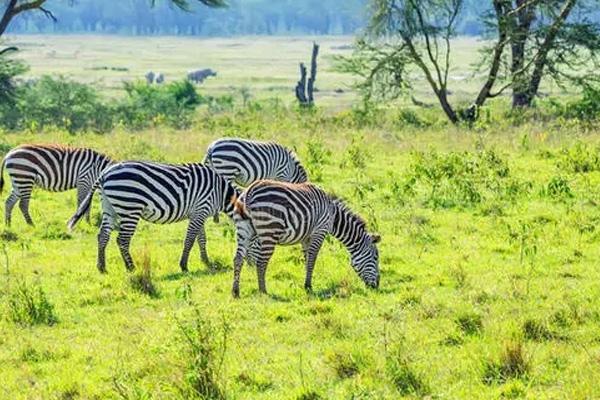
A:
x: 513, y: 363
x: 537, y: 330
x: 470, y: 323
x: 142, y: 281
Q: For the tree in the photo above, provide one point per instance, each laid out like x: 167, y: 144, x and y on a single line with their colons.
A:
x: 543, y: 36
x: 12, y: 8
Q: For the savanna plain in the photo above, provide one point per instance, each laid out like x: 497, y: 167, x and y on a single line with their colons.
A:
x: 490, y: 281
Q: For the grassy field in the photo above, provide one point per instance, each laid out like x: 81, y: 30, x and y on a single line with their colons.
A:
x: 490, y: 284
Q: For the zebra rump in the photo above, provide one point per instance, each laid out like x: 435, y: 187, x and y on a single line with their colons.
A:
x: 246, y: 161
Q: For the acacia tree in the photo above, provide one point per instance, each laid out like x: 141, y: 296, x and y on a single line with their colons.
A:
x: 544, y: 37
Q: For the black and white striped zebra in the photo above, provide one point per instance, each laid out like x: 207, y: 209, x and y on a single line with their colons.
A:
x: 158, y: 193
x: 51, y: 167
x: 269, y: 213
x: 246, y: 161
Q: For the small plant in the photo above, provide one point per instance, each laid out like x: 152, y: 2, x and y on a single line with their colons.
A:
x: 142, y: 281
x: 558, y: 188
x: 470, y: 323
x: 513, y: 363
x: 580, y: 158
x: 205, y: 348
x: 317, y: 157
x: 28, y: 306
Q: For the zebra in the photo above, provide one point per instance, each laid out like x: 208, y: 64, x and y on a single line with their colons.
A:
x: 51, y: 167
x: 245, y: 161
x: 158, y: 193
x: 269, y: 213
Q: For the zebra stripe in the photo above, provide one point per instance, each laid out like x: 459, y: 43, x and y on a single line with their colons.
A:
x: 245, y: 161
x: 51, y: 167
x: 269, y: 213
x: 158, y: 193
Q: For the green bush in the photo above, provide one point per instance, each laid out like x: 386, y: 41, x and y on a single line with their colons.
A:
x: 587, y: 108
x: 28, y: 306
x: 62, y: 103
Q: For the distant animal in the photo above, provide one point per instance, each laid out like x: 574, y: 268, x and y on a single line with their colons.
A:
x: 158, y: 193
x: 269, y: 213
x: 198, y: 76
x: 150, y: 77
x: 245, y: 161
x: 51, y: 167
x: 160, y: 78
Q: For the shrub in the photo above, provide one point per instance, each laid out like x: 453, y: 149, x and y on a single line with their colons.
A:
x: 461, y: 179
x: 28, y: 306
x: 558, y: 188
x: 579, y: 158
x: 586, y: 108
x: 512, y: 364
x: 317, y: 157
x: 62, y: 103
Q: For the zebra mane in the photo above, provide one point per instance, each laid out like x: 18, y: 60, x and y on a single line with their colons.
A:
x: 348, y: 211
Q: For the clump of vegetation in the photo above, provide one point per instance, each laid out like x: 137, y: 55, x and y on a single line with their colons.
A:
x: 403, y: 375
x: 513, y: 363
x: 28, y: 305
x: 205, y: 347
x: 345, y: 364
x: 536, y: 330
x: 470, y: 323
x: 558, y: 188
x: 579, y: 158
x: 254, y: 383
x: 587, y: 108
x: 460, y: 179
x: 142, y: 281
x: 317, y: 157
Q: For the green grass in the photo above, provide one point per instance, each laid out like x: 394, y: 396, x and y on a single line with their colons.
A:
x: 490, y: 286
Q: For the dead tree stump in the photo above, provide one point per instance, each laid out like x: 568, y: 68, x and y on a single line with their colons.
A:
x: 304, y: 88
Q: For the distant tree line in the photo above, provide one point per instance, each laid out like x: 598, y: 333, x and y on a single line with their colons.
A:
x: 261, y: 17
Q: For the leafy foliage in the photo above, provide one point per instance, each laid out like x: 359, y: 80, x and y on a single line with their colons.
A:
x: 28, y: 306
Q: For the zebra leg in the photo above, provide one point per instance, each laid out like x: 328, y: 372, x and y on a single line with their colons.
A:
x: 126, y: 231
x: 82, y: 191
x: 103, y: 237
x: 238, y: 261
x: 24, y: 206
x: 202, y: 244
x: 10, y: 204
x: 193, y: 230
x: 311, y: 249
x: 261, y: 265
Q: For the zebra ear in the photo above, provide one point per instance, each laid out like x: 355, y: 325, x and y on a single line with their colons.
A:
x: 375, y: 238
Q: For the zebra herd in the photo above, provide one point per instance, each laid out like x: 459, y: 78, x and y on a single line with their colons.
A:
x: 277, y: 207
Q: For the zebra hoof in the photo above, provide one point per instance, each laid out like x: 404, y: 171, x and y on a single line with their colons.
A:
x: 184, y: 269
x: 102, y: 270
x: 235, y: 292
x: 308, y: 288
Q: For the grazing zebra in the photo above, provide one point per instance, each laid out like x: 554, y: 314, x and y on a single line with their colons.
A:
x: 158, y: 193
x: 246, y: 161
x: 269, y: 213
x: 51, y: 167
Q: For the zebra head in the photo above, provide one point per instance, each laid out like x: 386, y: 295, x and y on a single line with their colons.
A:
x: 365, y: 260
x: 351, y: 230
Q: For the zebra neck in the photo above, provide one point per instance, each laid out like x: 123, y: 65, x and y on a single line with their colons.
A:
x: 348, y: 228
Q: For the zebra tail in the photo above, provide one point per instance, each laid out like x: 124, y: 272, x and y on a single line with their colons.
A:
x: 83, y: 207
x: 240, y: 208
x: 2, y: 175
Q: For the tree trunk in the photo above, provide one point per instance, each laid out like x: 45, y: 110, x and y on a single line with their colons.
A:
x: 521, y: 25
x: 7, y: 16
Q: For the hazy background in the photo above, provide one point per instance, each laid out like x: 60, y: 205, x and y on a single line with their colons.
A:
x: 242, y: 17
